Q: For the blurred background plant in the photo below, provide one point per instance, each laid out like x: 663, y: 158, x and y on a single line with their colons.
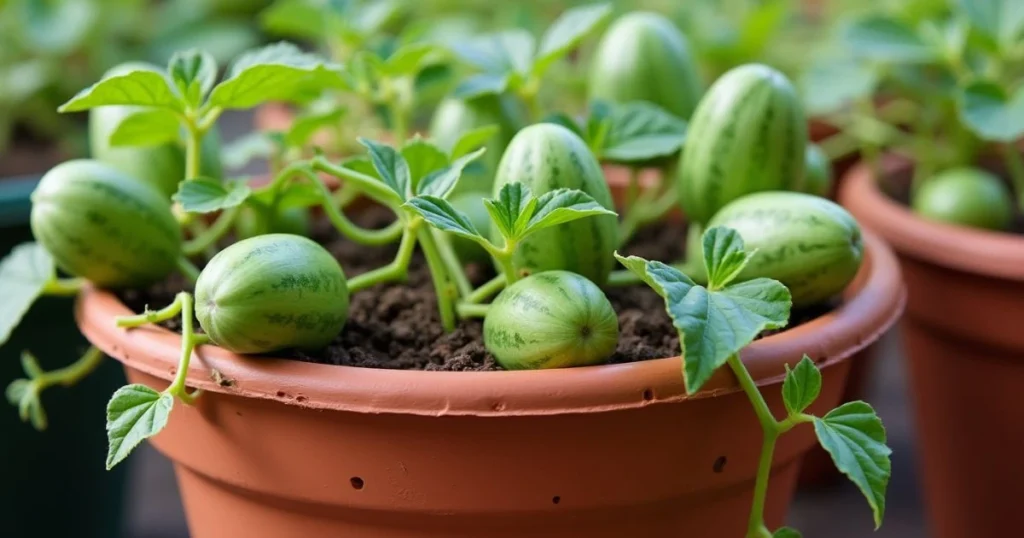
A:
x: 50, y: 49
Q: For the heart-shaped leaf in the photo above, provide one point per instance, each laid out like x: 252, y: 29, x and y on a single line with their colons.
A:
x: 194, y: 72
x: 886, y: 39
x: 391, y: 167
x: 423, y: 158
x: 560, y: 206
x: 992, y: 114
x: 151, y: 127
x: 441, y: 215
x: 639, y: 131
x: 855, y: 438
x: 724, y: 256
x: 801, y: 386
x: 567, y: 32
x: 204, y: 195
x: 135, y: 413
x: 142, y: 87
x: 24, y: 274
x: 277, y: 72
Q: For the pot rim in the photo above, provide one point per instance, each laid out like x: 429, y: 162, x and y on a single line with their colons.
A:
x: 874, y: 301
x: 988, y: 253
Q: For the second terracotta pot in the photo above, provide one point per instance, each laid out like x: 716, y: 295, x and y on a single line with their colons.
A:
x: 282, y: 449
x: 964, y: 340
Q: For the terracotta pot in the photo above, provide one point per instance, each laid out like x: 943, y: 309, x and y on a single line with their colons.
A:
x: 964, y: 339
x: 818, y: 469
x: 290, y: 449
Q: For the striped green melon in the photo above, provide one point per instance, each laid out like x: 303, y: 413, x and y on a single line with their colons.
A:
x: 747, y: 135
x: 272, y: 292
x: 966, y: 196
x: 454, y: 117
x: 554, y: 319
x: 163, y: 166
x: 644, y: 57
x: 546, y: 157
x: 101, y: 224
x: 809, y: 243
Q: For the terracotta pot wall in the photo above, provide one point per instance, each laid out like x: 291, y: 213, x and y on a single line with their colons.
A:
x: 964, y: 339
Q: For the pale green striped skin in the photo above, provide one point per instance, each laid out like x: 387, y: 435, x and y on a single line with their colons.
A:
x: 272, y: 292
x: 644, y: 57
x: 162, y: 166
x: 554, y: 319
x: 747, y: 135
x: 546, y: 157
x: 103, y: 225
x: 809, y: 243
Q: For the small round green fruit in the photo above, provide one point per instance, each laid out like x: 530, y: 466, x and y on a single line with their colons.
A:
x: 966, y: 196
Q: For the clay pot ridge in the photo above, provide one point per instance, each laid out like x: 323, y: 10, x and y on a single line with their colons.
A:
x: 873, y: 302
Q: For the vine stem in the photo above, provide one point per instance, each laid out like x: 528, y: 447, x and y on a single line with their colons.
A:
x: 396, y: 271
x: 64, y: 287
x: 466, y: 310
x: 486, y: 290
x: 70, y: 374
x: 504, y: 258
x: 452, y: 263
x: 189, y: 340
x: 206, y: 238
x: 442, y: 280
x: 370, y: 186
x: 348, y: 228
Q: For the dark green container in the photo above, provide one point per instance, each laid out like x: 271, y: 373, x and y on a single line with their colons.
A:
x: 53, y: 483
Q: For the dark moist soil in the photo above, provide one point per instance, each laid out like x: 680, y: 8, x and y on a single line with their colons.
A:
x: 398, y: 326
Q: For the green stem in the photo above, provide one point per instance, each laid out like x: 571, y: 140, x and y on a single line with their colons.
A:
x: 531, y: 98
x: 370, y: 186
x: 188, y: 269
x: 399, y: 125
x: 211, y: 235
x: 485, y: 291
x: 151, y: 316
x: 1016, y: 167
x: 442, y: 281
x: 504, y: 258
x: 634, y: 187
x: 756, y: 527
x: 193, y: 154
x: 346, y: 227
x: 466, y: 310
x: 63, y: 287
x: 646, y: 211
x: 29, y: 405
x: 396, y: 271
x: 452, y: 262
x: 189, y: 340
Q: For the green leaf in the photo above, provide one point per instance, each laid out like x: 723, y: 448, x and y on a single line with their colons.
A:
x: 482, y: 84
x: 473, y: 139
x: 142, y: 87
x: 560, y: 206
x: 713, y: 325
x: 855, y: 438
x: 567, y: 32
x: 441, y: 182
x: 885, y: 39
x: 194, y: 72
x: 992, y: 114
x: 510, y: 51
x: 830, y: 84
x: 255, y: 145
x: 567, y: 121
x: 204, y: 195
x: 307, y: 125
x: 391, y: 167
x: 23, y: 275
x: 409, y: 60
x: 297, y: 19
x: 512, y: 209
x: 56, y: 28
x: 787, y: 532
x: 1000, y: 20
x: 801, y: 386
x: 277, y: 72
x: 724, y: 256
x: 423, y: 158
x: 135, y: 413
x: 151, y: 127
x: 640, y: 131
x: 441, y: 215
